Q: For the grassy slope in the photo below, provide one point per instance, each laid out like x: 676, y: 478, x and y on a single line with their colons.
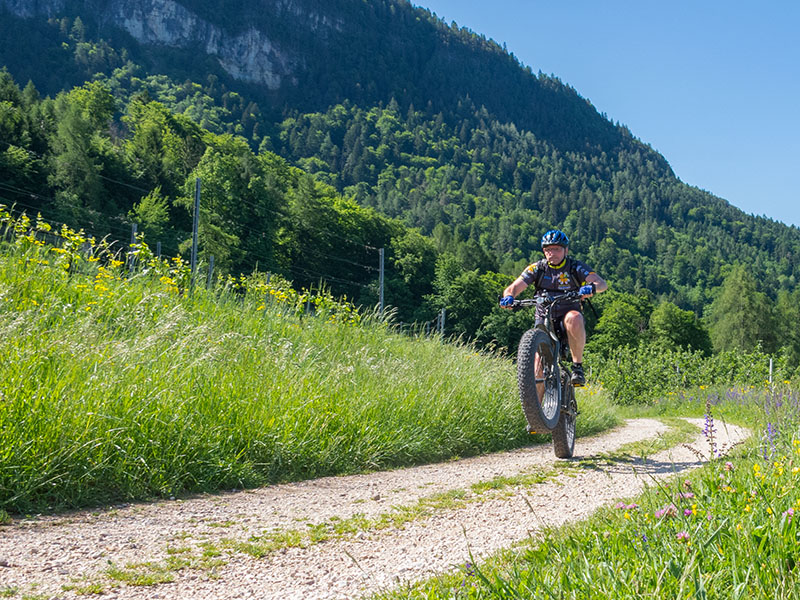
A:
x: 115, y: 388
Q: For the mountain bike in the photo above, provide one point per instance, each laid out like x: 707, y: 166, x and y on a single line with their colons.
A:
x: 545, y: 381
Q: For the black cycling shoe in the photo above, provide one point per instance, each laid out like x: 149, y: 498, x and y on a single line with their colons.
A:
x: 578, y: 378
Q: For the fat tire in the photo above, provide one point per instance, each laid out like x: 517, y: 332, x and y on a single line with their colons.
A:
x: 564, y: 432
x: 543, y: 416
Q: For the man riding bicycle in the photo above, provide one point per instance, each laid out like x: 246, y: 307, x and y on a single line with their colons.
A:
x: 558, y: 272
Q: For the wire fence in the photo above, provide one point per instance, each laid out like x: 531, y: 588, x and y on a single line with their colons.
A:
x: 124, y: 241
x: 360, y: 276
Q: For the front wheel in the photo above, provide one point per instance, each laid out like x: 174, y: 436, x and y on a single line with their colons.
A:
x: 564, y: 432
x: 538, y: 377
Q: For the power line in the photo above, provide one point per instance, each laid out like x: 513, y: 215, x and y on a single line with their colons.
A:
x: 55, y: 225
x: 289, y: 216
x: 11, y: 188
x: 319, y: 254
x: 307, y: 273
x: 304, y: 272
x: 122, y: 183
x: 316, y: 252
x: 258, y: 232
x: 240, y: 200
x: 16, y: 190
x: 301, y: 270
x: 123, y: 233
x: 111, y: 179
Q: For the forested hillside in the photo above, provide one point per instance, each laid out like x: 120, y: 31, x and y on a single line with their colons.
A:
x: 476, y: 183
x: 419, y: 137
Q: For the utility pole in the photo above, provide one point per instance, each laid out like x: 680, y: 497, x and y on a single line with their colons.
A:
x: 195, y: 228
x: 131, y: 255
x: 380, y: 282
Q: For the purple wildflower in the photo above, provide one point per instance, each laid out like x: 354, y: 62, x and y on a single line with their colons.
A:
x: 772, y: 432
x: 709, y: 430
x: 683, y: 536
x: 667, y: 511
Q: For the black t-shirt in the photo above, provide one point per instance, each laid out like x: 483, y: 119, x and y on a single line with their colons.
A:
x: 565, y: 277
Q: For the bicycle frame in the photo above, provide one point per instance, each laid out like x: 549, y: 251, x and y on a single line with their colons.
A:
x: 544, y: 377
x: 557, y: 334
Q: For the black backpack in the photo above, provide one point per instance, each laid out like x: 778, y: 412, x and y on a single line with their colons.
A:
x: 572, y: 269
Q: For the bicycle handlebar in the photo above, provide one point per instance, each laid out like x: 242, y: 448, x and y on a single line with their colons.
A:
x: 546, y: 299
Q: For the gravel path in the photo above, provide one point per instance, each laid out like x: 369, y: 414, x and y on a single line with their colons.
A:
x: 40, y: 556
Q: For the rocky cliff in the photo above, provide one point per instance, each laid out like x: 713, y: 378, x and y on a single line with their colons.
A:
x: 32, y: 8
x: 248, y: 55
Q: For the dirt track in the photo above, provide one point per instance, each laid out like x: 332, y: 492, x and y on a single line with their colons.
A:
x: 40, y: 556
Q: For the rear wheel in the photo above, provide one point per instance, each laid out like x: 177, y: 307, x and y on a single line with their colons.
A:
x: 538, y: 377
x: 564, y: 432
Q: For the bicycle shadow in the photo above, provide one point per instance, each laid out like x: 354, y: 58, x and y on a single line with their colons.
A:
x: 642, y: 466
x: 672, y: 461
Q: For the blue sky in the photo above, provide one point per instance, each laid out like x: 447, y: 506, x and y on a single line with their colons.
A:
x: 713, y: 86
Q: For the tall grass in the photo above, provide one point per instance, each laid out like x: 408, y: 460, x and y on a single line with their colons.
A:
x: 116, y: 388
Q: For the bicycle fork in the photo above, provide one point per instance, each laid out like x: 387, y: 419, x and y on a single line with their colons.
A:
x: 567, y: 407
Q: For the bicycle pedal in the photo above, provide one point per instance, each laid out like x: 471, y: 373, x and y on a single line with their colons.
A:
x: 532, y: 431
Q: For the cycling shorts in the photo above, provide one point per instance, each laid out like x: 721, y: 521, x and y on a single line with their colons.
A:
x: 559, y: 311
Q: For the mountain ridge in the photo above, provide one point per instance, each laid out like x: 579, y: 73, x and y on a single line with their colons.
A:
x: 421, y: 54
x: 425, y: 122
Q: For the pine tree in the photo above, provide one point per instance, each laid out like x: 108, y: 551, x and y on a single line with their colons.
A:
x: 741, y: 317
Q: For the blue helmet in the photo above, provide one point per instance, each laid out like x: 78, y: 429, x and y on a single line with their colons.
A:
x: 555, y: 237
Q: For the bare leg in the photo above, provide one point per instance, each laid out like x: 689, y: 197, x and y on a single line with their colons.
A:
x: 576, y: 332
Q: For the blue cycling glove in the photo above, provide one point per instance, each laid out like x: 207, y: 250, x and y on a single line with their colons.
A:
x: 507, y: 301
x: 587, y: 290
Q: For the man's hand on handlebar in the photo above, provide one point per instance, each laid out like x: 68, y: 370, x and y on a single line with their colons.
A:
x: 507, y: 301
x: 587, y: 290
